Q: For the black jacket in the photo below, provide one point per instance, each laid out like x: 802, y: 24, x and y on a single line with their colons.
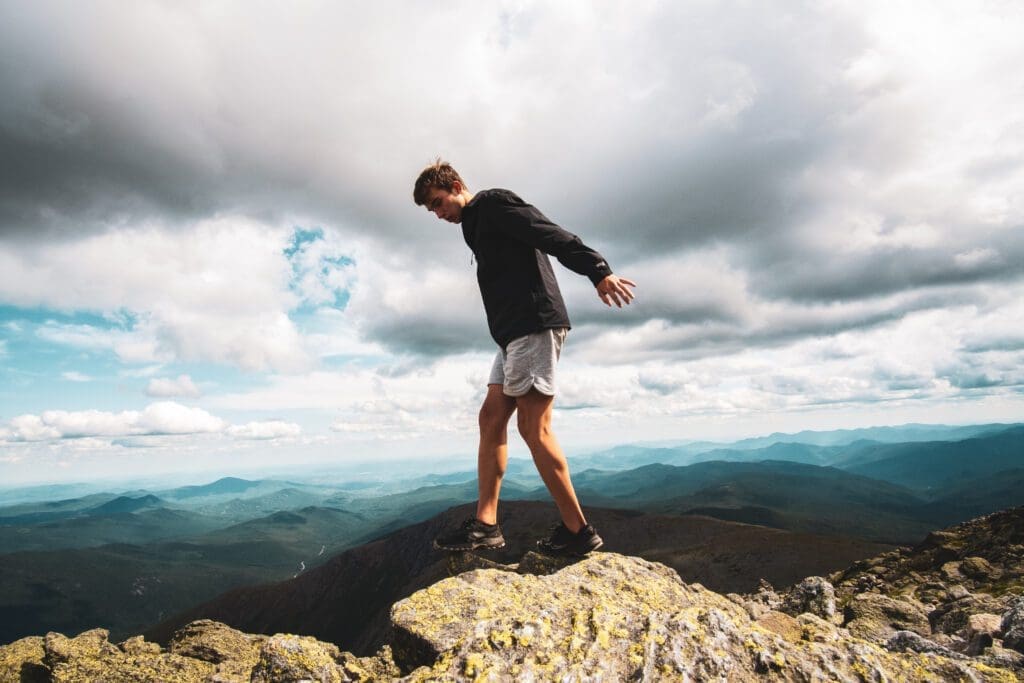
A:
x: 511, y: 240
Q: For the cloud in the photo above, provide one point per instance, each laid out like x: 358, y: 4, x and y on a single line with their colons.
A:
x: 218, y: 292
x: 268, y: 429
x: 165, y: 417
x: 74, y: 376
x: 169, y: 388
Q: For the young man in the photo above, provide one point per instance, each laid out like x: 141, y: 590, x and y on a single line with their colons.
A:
x: 527, y: 318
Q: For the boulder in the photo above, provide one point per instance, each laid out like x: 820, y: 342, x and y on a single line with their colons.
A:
x: 814, y: 595
x: 908, y: 641
x: 979, y: 569
x: 22, y: 661
x: 1012, y: 626
x: 286, y: 658
x: 610, y: 617
x: 877, y: 618
x: 980, y: 632
x: 233, y: 653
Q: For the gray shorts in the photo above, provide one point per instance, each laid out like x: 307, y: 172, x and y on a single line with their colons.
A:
x: 528, y: 362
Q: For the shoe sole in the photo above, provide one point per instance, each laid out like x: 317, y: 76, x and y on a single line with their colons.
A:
x: 470, y: 546
x: 564, y: 552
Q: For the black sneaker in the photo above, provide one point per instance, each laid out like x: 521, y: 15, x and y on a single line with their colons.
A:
x: 472, y: 534
x: 564, y: 542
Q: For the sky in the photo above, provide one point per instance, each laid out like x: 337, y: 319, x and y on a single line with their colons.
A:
x: 210, y: 260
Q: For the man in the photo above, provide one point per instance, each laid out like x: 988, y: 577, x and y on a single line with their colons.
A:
x: 510, y: 240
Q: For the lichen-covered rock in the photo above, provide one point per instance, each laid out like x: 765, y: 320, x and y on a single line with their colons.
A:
x: 233, y: 653
x: 1012, y: 626
x: 91, y: 657
x: 877, y: 617
x: 908, y: 641
x: 610, y: 617
x: 22, y: 661
x: 380, y: 667
x: 286, y: 658
x: 781, y: 624
x: 137, y: 645
x: 816, y: 630
x: 814, y: 595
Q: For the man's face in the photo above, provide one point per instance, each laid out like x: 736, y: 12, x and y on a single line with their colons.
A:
x: 446, y: 204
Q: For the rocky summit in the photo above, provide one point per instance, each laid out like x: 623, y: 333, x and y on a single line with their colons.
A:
x: 950, y: 609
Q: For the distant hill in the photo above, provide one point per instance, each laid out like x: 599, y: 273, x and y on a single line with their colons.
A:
x: 930, y: 466
x: 126, y: 504
x: 224, y: 486
x: 144, y: 526
x: 786, y: 495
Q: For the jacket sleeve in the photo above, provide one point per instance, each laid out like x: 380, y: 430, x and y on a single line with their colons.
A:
x: 524, y: 222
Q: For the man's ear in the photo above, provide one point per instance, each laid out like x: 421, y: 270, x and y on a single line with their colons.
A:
x: 456, y: 187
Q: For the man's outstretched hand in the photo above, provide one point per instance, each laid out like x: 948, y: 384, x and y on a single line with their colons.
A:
x: 615, y: 288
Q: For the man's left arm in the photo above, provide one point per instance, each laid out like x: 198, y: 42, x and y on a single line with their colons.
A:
x: 526, y: 223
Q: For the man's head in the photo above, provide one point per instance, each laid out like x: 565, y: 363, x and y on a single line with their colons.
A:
x: 442, y: 191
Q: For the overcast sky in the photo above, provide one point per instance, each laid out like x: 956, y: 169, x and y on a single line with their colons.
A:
x: 210, y: 258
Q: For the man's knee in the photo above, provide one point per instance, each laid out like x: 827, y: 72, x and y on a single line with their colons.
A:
x: 493, y: 417
x: 535, y: 429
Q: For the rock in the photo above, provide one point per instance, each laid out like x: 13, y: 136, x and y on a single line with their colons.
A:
x: 957, y: 592
x: 285, y: 658
x: 91, y: 657
x: 877, y: 618
x: 951, y: 571
x: 611, y: 617
x: 22, y: 661
x: 1012, y: 626
x: 137, y: 645
x: 90, y: 644
x: 233, y: 653
x: 380, y: 667
x: 536, y: 563
x: 978, y: 568
x: 288, y: 658
x: 464, y: 562
x: 814, y: 595
x: 908, y: 641
x: 783, y: 625
x: 817, y: 630
x: 952, y: 617
x: 981, y: 632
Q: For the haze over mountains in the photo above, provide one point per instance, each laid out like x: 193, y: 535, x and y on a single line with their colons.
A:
x: 128, y: 559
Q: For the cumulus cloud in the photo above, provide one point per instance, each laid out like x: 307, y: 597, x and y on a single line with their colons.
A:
x: 168, y: 388
x: 216, y: 292
x: 164, y: 417
x: 267, y: 429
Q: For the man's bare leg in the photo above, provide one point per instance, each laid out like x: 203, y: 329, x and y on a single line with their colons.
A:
x: 492, y: 457
x: 535, y: 427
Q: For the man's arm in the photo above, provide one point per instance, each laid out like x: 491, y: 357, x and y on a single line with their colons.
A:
x: 525, y: 223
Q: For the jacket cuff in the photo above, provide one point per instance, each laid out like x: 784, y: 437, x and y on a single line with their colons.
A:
x: 600, y: 272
